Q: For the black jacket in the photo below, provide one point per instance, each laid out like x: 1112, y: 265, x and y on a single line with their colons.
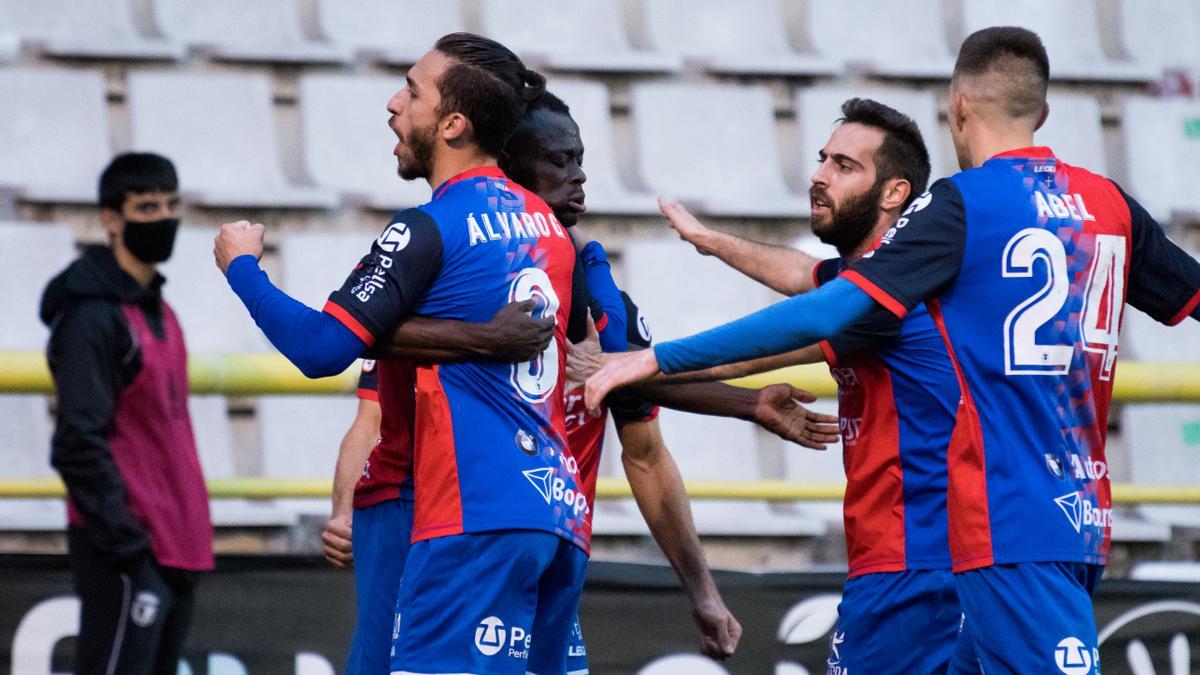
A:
x: 93, y: 356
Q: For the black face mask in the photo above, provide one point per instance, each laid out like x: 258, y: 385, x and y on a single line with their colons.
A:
x: 152, y: 241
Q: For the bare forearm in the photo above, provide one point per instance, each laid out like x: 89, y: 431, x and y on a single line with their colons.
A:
x: 810, y: 354
x: 436, y: 340
x: 660, y: 495
x: 702, y: 398
x: 352, y: 455
x: 782, y: 268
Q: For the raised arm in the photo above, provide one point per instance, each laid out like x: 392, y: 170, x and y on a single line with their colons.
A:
x: 660, y: 495
x: 782, y: 268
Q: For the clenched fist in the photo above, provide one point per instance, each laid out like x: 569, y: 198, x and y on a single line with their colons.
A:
x: 235, y: 239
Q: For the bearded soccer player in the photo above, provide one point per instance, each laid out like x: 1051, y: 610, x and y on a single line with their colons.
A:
x: 897, y: 395
x: 1026, y: 264
x: 499, y: 542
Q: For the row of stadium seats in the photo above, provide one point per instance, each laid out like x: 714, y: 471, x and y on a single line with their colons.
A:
x: 680, y: 293
x: 715, y: 145
x: 751, y: 37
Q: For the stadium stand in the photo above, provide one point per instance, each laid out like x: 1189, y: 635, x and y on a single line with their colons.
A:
x: 1070, y: 31
x: 230, y: 30
x: 606, y: 192
x: 1073, y: 131
x: 1162, y: 441
x: 584, y: 36
x: 100, y: 29
x: 1162, y: 133
x: 347, y: 143
x: 227, y: 154
x: 371, y: 27
x: 54, y: 131
x: 744, y: 38
x: 213, y: 320
x: 1164, y: 34
x: 884, y: 38
x: 817, y: 109
x: 688, y: 137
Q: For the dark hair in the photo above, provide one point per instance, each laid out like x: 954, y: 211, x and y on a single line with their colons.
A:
x: 489, y: 85
x: 135, y: 173
x: 902, y: 153
x: 514, y: 159
x: 1018, y: 55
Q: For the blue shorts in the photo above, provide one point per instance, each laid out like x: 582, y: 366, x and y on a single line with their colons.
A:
x: 1028, y: 618
x: 896, y: 622
x: 380, y: 535
x: 495, y: 602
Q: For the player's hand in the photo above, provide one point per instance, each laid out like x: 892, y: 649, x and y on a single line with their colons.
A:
x: 690, y: 230
x: 779, y: 411
x: 720, y: 632
x: 621, y: 370
x: 584, y: 358
x: 517, y: 335
x: 336, y: 544
x: 236, y: 239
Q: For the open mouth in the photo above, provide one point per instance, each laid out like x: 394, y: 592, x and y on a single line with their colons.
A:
x: 576, y: 203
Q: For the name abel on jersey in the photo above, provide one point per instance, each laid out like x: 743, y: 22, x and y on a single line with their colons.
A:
x: 500, y: 226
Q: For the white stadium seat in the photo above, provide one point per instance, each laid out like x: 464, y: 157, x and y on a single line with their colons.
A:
x: 54, y: 131
x: 1162, y: 155
x: 232, y: 30
x: 1164, y: 34
x: 817, y: 109
x: 1068, y: 28
x: 314, y: 264
x: 300, y: 438
x: 391, y: 31
x: 30, y: 255
x: 227, y: 154
x: 25, y: 431
x: 745, y: 38
x: 1144, y: 339
x: 606, y: 192
x: 712, y: 145
x: 890, y: 39
x: 1163, y: 441
x: 98, y: 29
x: 214, y: 320
x: 584, y: 35
x: 347, y: 142
x: 1073, y: 131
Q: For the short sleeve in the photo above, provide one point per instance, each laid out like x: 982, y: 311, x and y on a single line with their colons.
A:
x: 1164, y: 281
x: 826, y: 271
x: 919, y: 256
x: 624, y: 405
x: 878, y: 327
x: 368, y: 381
x: 389, y: 282
x: 636, y: 326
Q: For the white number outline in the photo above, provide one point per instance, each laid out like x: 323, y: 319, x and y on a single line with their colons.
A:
x: 535, y: 380
x: 1022, y: 353
x: 1109, y: 261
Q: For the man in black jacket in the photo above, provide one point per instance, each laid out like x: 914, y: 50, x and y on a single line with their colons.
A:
x: 139, y: 526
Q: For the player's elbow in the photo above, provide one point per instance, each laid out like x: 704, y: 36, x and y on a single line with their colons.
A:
x: 318, y: 366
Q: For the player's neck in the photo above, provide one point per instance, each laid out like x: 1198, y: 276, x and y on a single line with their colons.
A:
x: 886, y: 220
x: 991, y: 142
x: 453, y: 162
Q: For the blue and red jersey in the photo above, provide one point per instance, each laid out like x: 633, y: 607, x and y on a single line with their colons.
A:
x: 1025, y: 265
x: 489, y: 439
x: 897, y: 397
x: 387, y: 473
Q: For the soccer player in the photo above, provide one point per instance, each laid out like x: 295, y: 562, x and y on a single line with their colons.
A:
x: 139, y: 530
x: 897, y: 396
x: 499, y: 545
x: 1025, y: 263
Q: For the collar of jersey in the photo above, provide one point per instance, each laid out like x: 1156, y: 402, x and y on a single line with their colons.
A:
x: 1034, y: 152
x: 489, y: 171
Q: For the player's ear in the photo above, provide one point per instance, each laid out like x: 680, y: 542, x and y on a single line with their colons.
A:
x: 957, y: 108
x: 1045, y: 114
x: 895, y: 193
x: 455, y: 127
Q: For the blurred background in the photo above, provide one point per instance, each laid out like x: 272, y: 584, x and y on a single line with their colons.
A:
x: 273, y: 110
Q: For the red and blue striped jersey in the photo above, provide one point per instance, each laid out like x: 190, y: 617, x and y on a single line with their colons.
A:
x: 1025, y: 264
x: 897, y: 397
x: 388, y: 471
x: 489, y: 442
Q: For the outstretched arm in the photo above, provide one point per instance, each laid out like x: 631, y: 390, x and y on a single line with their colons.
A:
x: 785, y: 326
x: 782, y: 268
x: 806, y: 355
x: 663, y: 501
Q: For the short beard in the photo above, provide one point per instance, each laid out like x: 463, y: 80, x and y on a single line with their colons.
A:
x: 421, y: 145
x: 852, y: 221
